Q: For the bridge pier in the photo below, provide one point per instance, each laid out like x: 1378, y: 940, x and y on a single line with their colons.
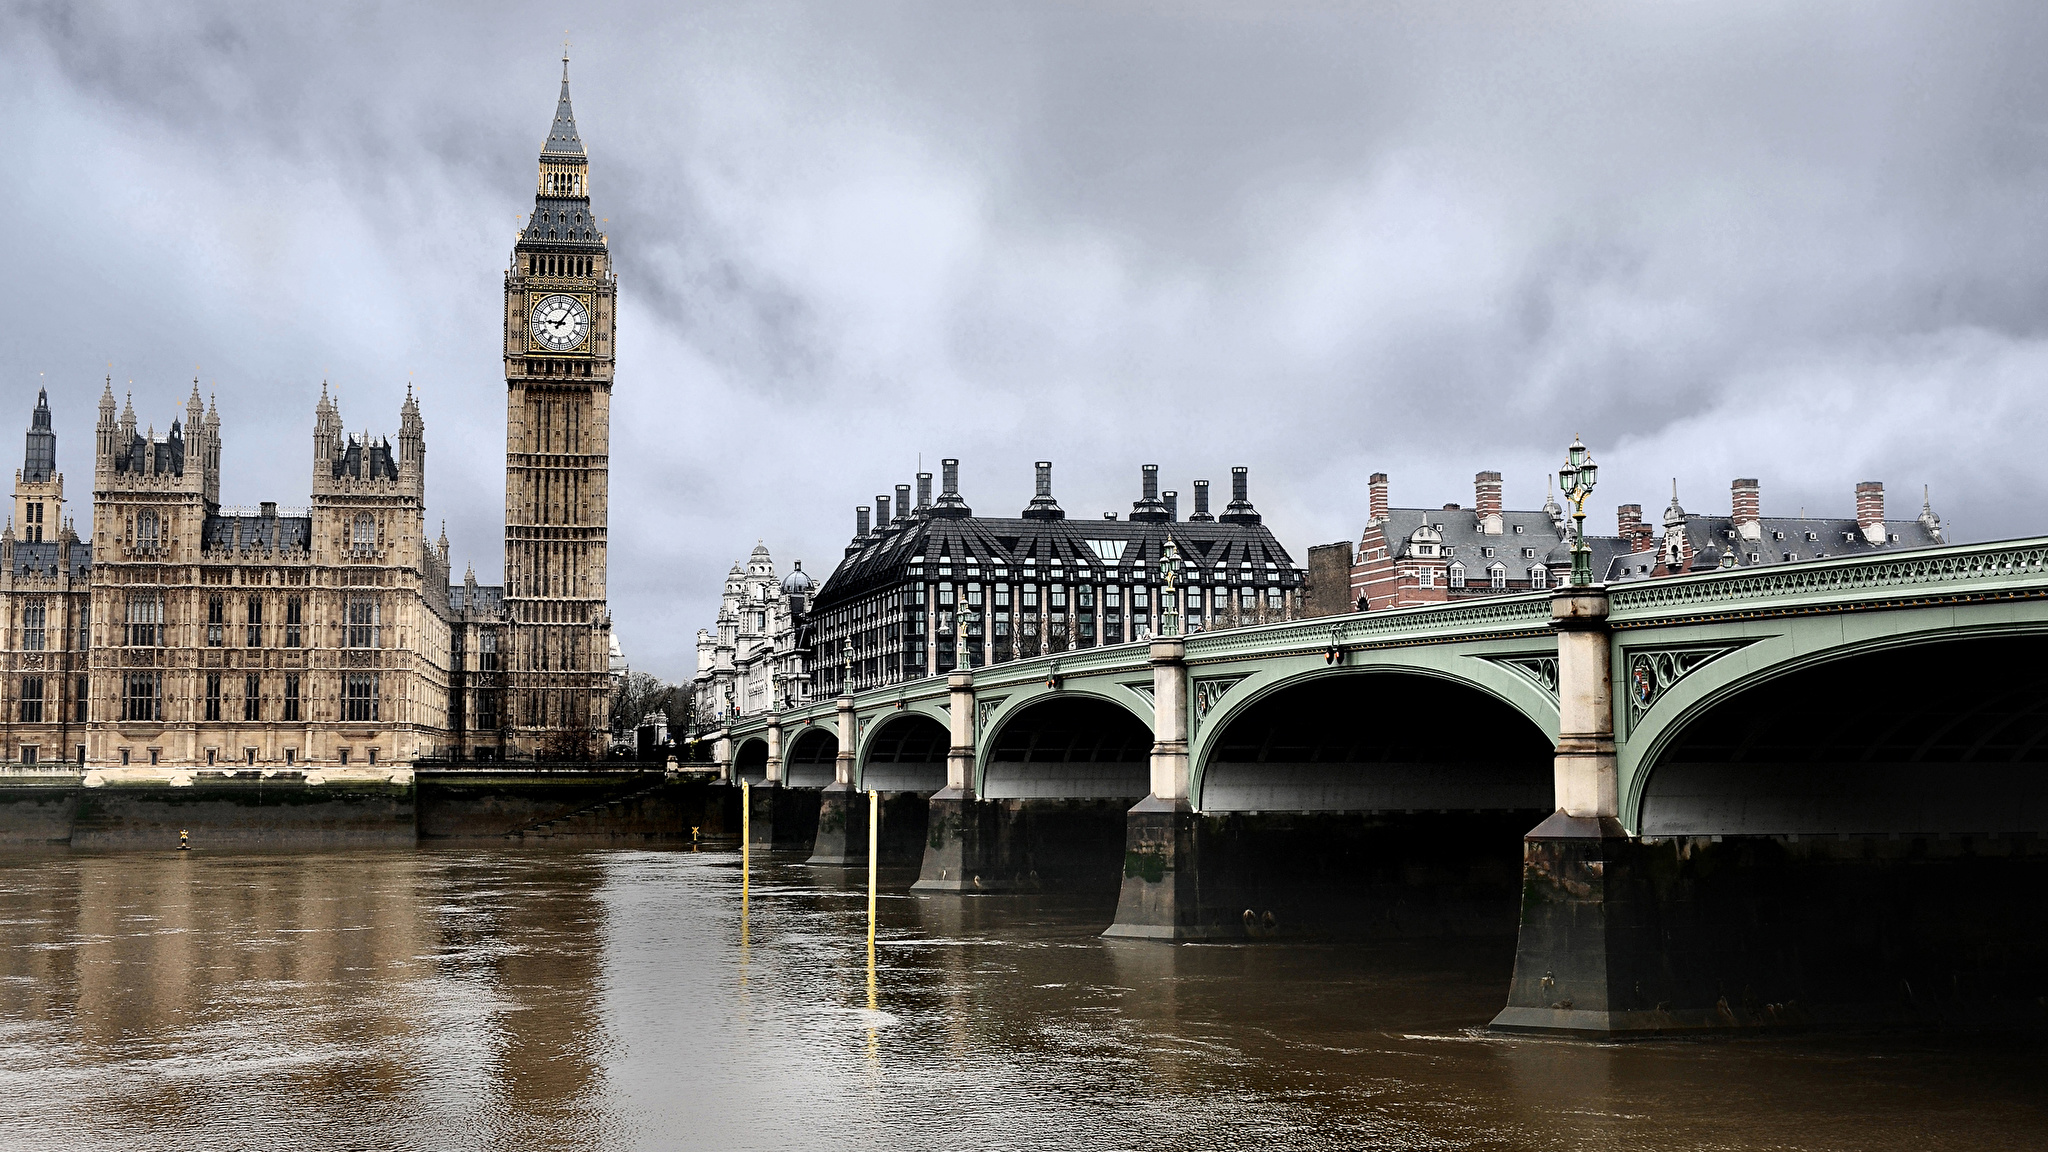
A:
x: 1159, y: 899
x: 842, y: 819
x: 959, y: 833
x: 1585, y: 938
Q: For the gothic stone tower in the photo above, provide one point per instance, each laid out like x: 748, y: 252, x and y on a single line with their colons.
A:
x: 559, y: 321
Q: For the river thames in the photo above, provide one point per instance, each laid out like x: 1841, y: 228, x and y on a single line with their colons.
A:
x: 624, y: 1000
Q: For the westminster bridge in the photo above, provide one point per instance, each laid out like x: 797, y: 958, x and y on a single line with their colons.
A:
x: 1757, y: 798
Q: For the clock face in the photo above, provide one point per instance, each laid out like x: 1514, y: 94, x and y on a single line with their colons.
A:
x: 560, y: 322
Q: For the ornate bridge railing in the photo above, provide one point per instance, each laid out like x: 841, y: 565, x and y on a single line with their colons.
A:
x: 2008, y: 569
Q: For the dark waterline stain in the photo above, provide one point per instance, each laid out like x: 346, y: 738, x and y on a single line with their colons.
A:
x: 625, y: 1000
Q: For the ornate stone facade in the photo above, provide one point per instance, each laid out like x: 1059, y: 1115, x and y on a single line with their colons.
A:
x: 185, y: 634
x: 756, y: 662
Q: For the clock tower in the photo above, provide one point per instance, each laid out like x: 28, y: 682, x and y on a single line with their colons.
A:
x: 560, y: 314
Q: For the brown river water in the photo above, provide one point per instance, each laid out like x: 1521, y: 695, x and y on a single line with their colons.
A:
x: 619, y: 1000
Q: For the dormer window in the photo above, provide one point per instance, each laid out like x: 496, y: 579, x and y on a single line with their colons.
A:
x: 1813, y: 536
x: 1518, y: 529
x: 1539, y: 577
x: 1457, y: 575
x: 1497, y: 575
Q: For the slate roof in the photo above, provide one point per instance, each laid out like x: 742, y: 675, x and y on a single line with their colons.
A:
x: 880, y: 561
x: 1532, y: 532
x: 40, y: 559
x: 562, y: 137
x: 1833, y: 536
x: 249, y: 530
x: 488, y: 598
x: 562, y: 220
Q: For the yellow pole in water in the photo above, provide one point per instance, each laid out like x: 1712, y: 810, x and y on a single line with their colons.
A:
x: 746, y: 830
x: 874, y: 858
x: 874, y: 855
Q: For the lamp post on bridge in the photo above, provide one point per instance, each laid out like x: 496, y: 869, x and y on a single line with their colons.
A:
x: 1169, y: 597
x: 961, y: 652
x: 1575, y: 481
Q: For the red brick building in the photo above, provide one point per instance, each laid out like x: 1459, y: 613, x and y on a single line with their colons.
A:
x: 1410, y: 556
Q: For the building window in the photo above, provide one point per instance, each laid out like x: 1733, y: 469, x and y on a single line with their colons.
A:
x: 359, y: 696
x: 78, y: 701
x: 145, y: 619
x: 1539, y: 577
x: 213, y: 696
x: 344, y: 757
x: 252, y: 700
x: 146, y: 530
x: 291, y: 702
x: 487, y: 710
x: 33, y: 616
x: 84, y: 629
x: 1497, y: 576
x: 487, y: 652
x: 142, y: 696
x: 293, y: 619
x: 365, y: 533
x: 362, y: 622
x: 1425, y: 578
x: 255, y: 622
x: 32, y: 700
x: 216, y: 616
x: 1457, y: 575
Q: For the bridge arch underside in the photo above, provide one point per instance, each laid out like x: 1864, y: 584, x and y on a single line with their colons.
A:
x: 750, y: 761
x: 1372, y: 803
x: 1061, y: 776
x: 1868, y: 833
x: 906, y: 754
x: 1946, y: 738
x: 1378, y: 742
x: 811, y: 760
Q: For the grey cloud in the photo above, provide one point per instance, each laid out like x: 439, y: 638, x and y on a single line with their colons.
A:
x: 1797, y: 242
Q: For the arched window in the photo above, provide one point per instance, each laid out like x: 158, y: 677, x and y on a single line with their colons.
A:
x: 1497, y: 575
x: 366, y: 532
x: 1457, y: 575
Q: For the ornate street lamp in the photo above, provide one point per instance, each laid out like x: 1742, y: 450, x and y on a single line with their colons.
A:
x: 961, y: 648
x: 1169, y: 598
x: 1575, y: 482
x: 846, y: 661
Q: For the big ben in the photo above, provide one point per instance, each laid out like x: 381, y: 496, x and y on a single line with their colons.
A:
x: 560, y: 317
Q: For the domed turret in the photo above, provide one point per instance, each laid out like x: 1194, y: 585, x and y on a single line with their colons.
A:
x: 798, y: 582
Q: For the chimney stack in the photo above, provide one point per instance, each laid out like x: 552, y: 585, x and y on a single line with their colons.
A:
x: 902, y: 502
x: 924, y: 492
x: 1172, y: 502
x: 1376, y: 508
x: 1201, y: 513
x: 860, y: 521
x: 1240, y: 510
x: 1870, y: 510
x: 1043, y: 506
x: 1628, y: 520
x: 1486, y: 503
x: 1148, y: 508
x: 881, y: 513
x: 1746, y: 504
x: 950, y: 504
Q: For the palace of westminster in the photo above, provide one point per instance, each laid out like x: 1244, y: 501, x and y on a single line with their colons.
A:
x: 181, y: 633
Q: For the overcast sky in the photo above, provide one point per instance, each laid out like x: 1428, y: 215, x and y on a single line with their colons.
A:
x: 1802, y: 242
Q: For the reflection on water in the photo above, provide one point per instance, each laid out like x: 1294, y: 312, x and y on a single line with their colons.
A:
x: 536, y: 1000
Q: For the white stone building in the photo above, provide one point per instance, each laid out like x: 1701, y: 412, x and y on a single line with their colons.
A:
x: 755, y: 661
